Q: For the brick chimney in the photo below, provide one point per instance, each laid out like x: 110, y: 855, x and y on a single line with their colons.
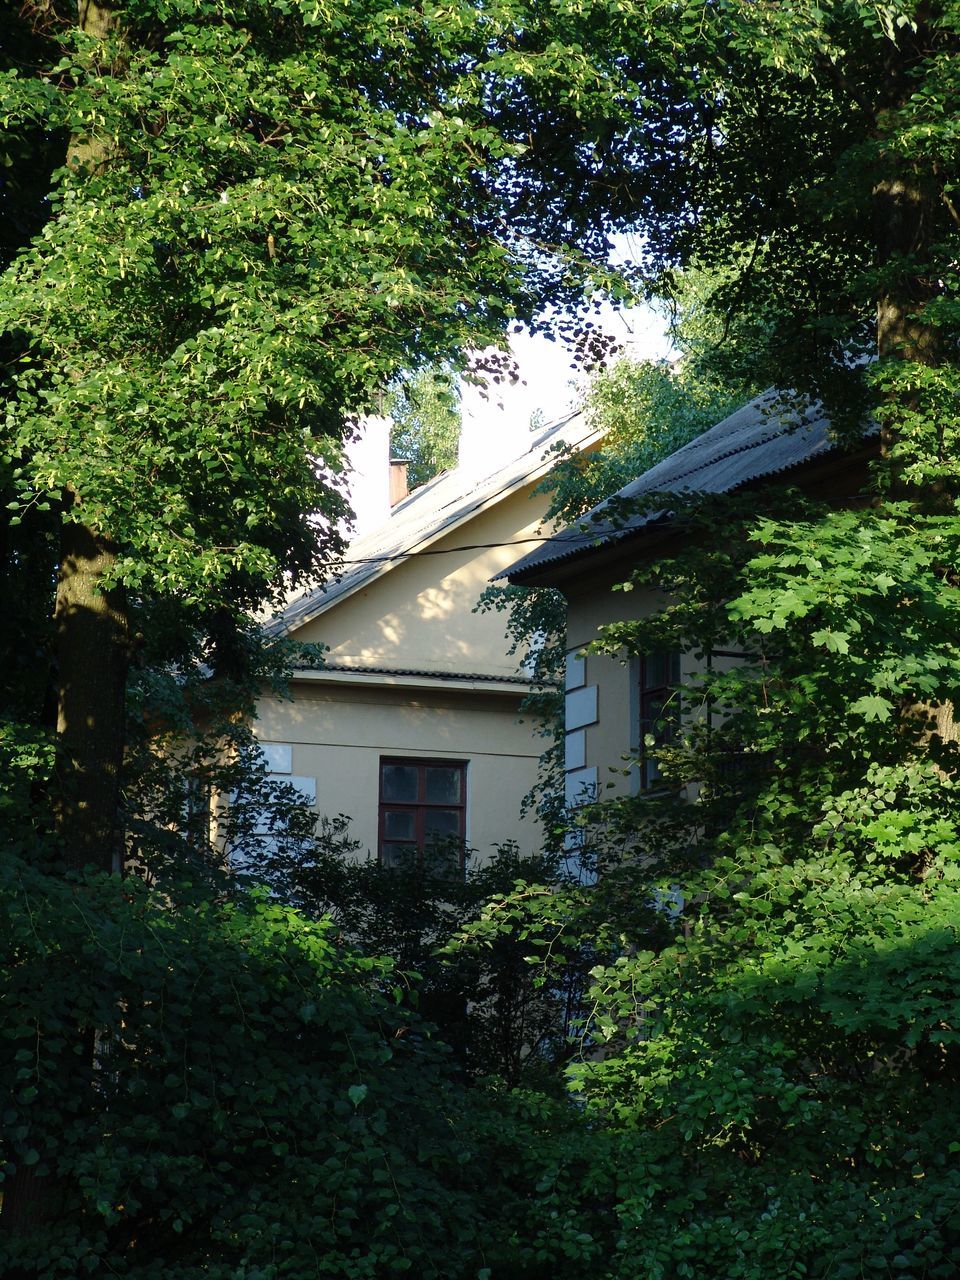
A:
x: 398, y: 480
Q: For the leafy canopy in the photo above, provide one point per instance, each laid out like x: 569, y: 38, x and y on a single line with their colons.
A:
x: 269, y: 211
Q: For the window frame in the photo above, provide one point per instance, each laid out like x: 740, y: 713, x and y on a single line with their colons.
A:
x: 653, y: 700
x: 421, y: 806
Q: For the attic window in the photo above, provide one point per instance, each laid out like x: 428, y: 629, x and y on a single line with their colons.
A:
x: 423, y: 807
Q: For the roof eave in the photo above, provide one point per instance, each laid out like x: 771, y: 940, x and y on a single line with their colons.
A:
x: 462, y: 683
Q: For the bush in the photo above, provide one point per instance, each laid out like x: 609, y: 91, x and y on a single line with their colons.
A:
x: 217, y: 1090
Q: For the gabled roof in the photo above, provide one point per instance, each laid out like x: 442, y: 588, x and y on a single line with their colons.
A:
x: 762, y: 439
x: 437, y: 508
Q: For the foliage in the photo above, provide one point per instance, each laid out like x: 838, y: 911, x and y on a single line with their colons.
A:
x: 227, y: 228
x: 770, y: 1027
x: 486, y: 1002
x: 776, y: 1046
x: 787, y: 1059
x: 230, y: 228
x: 720, y: 346
x: 426, y: 423
x: 805, y: 154
x: 205, y: 807
x: 259, y: 1100
x: 782, y: 1064
x: 272, y: 209
x: 646, y: 412
x: 798, y: 1031
x: 252, y: 1105
x: 269, y: 195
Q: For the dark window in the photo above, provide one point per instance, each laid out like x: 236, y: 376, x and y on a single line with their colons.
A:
x: 659, y: 711
x: 423, y: 808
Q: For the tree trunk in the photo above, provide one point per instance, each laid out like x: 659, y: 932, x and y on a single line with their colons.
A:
x: 907, y: 212
x: 91, y: 635
x: 91, y: 644
x: 92, y: 655
x: 905, y: 221
x: 905, y: 215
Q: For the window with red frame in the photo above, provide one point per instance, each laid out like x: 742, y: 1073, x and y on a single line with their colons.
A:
x: 423, y: 810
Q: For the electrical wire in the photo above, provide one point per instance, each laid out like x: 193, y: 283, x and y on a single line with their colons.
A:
x: 467, y: 546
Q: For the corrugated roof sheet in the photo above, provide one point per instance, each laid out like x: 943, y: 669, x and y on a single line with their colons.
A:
x: 762, y: 439
x: 436, y: 508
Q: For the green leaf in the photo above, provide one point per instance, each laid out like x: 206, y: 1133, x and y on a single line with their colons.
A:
x: 834, y: 641
x: 872, y: 707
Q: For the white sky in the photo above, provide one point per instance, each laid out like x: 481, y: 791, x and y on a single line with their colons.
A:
x: 549, y: 382
x: 496, y: 424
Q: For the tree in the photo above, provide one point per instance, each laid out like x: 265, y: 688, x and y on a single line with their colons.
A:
x: 426, y: 423
x: 484, y: 1001
x: 768, y: 1033
x: 772, y: 1032
x: 257, y: 217
x: 645, y: 411
x: 232, y: 227
x: 787, y: 1049
x: 804, y: 160
x: 256, y: 1102
x: 273, y: 209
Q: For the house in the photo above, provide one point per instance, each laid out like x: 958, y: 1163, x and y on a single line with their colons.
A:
x: 611, y: 703
x: 412, y: 726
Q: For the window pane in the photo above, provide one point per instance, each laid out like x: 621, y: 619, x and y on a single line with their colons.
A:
x: 398, y: 855
x: 441, y: 822
x: 660, y: 670
x: 400, y: 783
x: 659, y: 711
x: 657, y: 672
x: 654, y: 670
x: 398, y: 824
x: 659, y: 717
x: 442, y: 786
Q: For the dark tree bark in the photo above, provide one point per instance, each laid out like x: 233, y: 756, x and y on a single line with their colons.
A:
x: 92, y: 657
x: 91, y: 634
